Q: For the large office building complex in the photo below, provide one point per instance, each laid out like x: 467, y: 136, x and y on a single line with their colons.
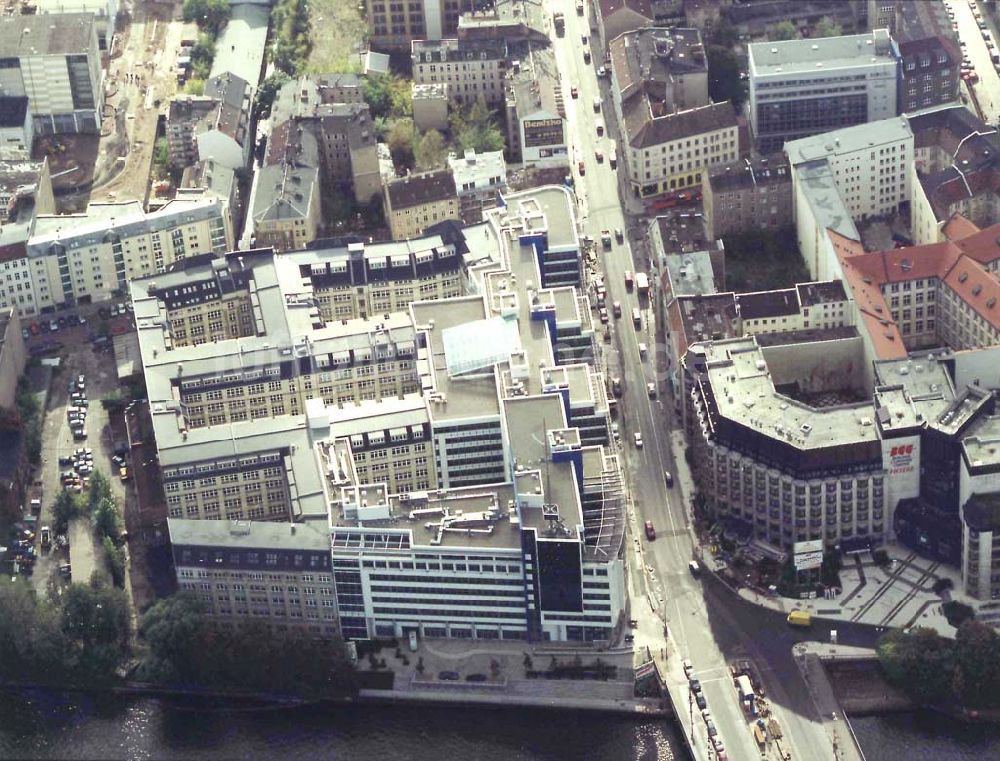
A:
x: 805, y: 87
x: 419, y: 421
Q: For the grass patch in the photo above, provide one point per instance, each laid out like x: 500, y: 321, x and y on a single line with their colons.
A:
x: 764, y: 260
x: 343, y: 29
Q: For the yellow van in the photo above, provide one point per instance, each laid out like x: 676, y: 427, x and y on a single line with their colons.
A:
x: 799, y: 618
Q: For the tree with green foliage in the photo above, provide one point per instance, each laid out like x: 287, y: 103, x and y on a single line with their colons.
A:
x: 292, y: 43
x: 268, y: 91
x: 114, y: 558
x: 161, y: 156
x: 32, y: 644
x: 921, y: 662
x: 827, y: 27
x: 784, y: 30
x: 976, y: 681
x: 185, y: 648
x: 194, y: 87
x: 202, y: 55
x: 209, y: 15
x: 67, y: 507
x: 107, y: 519
x: 400, y: 140
x: 721, y: 33
x: 389, y: 96
x: 474, y: 128
x: 724, y: 81
x: 99, y: 490
x: 30, y: 419
x: 431, y: 151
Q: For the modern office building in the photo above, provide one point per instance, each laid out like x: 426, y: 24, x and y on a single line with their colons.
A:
x: 55, y: 61
x: 473, y: 496
x: 806, y: 87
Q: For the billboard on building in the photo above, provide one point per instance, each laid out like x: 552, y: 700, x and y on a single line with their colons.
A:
x: 808, y: 555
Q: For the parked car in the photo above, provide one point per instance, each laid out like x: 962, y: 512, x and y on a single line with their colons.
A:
x: 448, y: 676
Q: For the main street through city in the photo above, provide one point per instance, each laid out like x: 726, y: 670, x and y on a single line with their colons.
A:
x: 708, y: 623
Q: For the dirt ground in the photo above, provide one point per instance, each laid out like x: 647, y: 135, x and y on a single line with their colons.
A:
x: 344, y: 35
x: 142, y: 79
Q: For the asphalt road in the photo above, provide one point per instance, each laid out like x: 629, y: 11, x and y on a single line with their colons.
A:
x: 709, y: 624
x: 988, y: 87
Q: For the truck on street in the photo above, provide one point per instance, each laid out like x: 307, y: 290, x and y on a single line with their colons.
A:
x: 559, y: 22
x: 642, y: 283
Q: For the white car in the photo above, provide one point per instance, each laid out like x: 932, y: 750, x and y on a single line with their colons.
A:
x: 637, y: 437
x: 651, y: 390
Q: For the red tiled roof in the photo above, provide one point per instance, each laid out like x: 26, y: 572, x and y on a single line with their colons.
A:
x: 958, y: 227
x: 977, y: 287
x: 959, y: 263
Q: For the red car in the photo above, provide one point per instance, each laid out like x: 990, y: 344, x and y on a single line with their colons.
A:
x: 650, y: 531
x: 581, y: 168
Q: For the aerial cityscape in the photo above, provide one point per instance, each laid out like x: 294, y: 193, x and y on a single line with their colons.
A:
x: 501, y: 379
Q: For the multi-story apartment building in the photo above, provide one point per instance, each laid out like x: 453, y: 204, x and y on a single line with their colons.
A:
x: 213, y: 126
x: 924, y: 296
x: 752, y: 194
x: 286, y: 206
x: 672, y: 152
x: 929, y: 69
x: 954, y: 172
x: 470, y: 69
x: 417, y: 201
x: 394, y: 25
x: 804, y: 87
x: 536, y: 112
x: 332, y: 109
x: 70, y: 258
x: 616, y: 17
x: 55, y: 61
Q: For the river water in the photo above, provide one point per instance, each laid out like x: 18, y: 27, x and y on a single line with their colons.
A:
x: 40, y: 724
x: 47, y: 725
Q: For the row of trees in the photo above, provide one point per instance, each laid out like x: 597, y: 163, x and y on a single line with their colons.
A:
x: 101, y: 506
x: 935, y: 670
x: 79, y: 638
x: 184, y: 649
x: 292, y: 42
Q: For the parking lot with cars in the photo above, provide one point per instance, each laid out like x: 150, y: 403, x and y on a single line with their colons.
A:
x: 76, y: 436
